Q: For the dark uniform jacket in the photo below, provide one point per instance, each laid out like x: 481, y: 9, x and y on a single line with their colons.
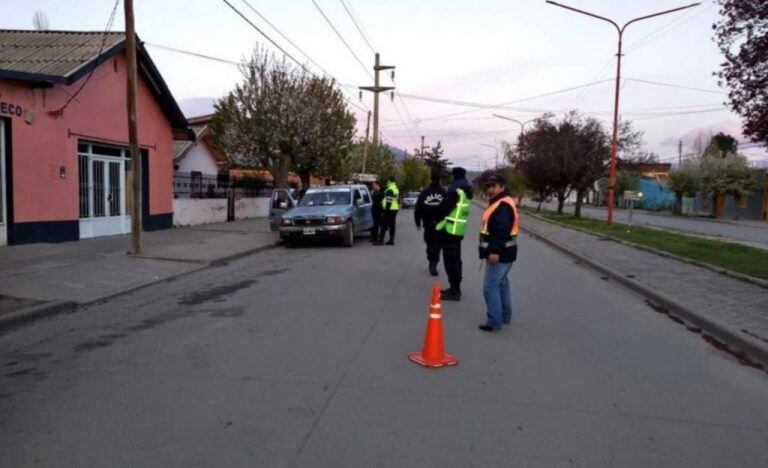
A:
x: 499, y: 228
x: 427, y: 205
x: 377, y: 197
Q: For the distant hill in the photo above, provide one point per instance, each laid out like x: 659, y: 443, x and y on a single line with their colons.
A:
x: 398, y: 153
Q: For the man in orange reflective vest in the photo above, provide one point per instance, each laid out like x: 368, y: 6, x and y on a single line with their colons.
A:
x: 498, y: 246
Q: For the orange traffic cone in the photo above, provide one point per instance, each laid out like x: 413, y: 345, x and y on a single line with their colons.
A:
x: 433, y: 354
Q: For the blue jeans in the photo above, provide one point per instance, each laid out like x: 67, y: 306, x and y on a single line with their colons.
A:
x: 497, y: 295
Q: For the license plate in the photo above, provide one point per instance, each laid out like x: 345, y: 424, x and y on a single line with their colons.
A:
x: 308, y: 231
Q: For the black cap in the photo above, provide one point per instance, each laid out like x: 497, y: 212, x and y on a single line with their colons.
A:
x: 458, y: 173
x: 495, y: 179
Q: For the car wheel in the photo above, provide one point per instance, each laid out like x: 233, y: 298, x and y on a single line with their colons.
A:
x: 349, y: 235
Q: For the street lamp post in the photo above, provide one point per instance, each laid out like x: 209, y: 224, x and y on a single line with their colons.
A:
x: 496, y: 147
x: 522, y: 124
x: 614, y: 139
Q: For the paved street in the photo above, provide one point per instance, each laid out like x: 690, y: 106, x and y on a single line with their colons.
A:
x: 750, y: 231
x: 297, y: 357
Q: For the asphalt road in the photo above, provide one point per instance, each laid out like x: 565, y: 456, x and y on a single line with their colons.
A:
x: 298, y: 358
x: 752, y: 232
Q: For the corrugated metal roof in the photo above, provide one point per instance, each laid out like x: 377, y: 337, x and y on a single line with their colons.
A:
x: 52, y: 53
x: 180, y: 148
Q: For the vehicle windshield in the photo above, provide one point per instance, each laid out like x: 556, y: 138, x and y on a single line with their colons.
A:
x: 326, y: 198
x: 412, y: 195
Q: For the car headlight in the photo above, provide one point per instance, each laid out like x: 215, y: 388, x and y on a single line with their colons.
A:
x: 286, y: 222
x: 334, y: 220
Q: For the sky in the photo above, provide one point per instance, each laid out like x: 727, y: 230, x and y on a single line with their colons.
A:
x: 478, y: 51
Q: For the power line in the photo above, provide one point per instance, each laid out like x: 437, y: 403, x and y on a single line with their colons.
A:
x: 496, y: 106
x: 304, y: 67
x: 658, y: 83
x: 96, y: 62
x: 239, y: 13
x: 357, y: 25
x: 194, y: 54
x: 276, y: 29
x: 341, y: 38
x: 664, y: 29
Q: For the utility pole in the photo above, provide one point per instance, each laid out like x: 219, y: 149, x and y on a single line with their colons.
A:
x: 679, y: 154
x: 615, y: 138
x: 365, y: 145
x: 421, y: 152
x: 376, y: 89
x: 133, y: 137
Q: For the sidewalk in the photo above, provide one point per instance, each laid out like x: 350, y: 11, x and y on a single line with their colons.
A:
x: 43, y: 278
x: 730, y: 310
x: 749, y: 232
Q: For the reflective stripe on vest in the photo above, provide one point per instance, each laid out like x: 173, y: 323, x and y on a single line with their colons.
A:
x: 456, y: 221
x: 393, y: 199
x: 489, y: 211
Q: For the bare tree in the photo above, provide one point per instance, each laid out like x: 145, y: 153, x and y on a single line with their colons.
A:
x: 40, y: 21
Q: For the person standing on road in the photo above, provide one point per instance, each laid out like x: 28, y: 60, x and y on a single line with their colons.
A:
x: 454, y: 211
x: 498, y: 246
x: 390, y: 207
x: 426, y: 213
x: 377, y: 196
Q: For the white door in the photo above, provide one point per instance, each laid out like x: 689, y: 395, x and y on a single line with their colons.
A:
x: 102, y: 195
x: 3, y: 210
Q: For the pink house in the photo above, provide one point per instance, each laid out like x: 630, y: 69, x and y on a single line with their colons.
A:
x: 64, y: 164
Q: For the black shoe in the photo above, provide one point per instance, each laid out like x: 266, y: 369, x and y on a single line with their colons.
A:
x: 391, y: 243
x: 378, y: 243
x: 450, y: 295
x: 488, y: 328
x: 433, y: 268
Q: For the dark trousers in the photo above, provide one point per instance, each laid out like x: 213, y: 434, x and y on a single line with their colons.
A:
x: 376, y: 227
x: 432, y: 240
x: 451, y: 247
x: 388, y: 223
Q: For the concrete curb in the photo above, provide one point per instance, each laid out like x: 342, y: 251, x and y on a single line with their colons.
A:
x: 723, y: 271
x: 744, y: 345
x: 29, y: 314
x: 48, y: 309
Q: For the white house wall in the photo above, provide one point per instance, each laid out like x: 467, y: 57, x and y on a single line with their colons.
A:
x: 199, y: 159
x: 197, y: 211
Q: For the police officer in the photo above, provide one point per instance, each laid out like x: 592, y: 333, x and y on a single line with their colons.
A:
x: 390, y: 207
x: 377, y: 197
x: 426, y: 213
x: 498, y: 246
x: 454, y: 211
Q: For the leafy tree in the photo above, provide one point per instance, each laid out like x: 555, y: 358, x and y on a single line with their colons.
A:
x: 433, y: 158
x: 742, y: 36
x: 685, y: 181
x: 379, y: 160
x: 414, y: 174
x: 727, y: 175
x: 540, y: 157
x: 722, y: 144
x: 281, y: 118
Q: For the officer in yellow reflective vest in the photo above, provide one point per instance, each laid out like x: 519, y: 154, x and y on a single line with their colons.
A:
x: 390, y: 207
x: 498, y: 246
x: 454, y: 211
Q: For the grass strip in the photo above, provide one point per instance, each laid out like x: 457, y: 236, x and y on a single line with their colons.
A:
x: 731, y: 256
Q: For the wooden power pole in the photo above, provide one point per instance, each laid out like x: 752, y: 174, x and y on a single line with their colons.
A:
x: 365, y: 145
x: 376, y: 89
x: 133, y: 138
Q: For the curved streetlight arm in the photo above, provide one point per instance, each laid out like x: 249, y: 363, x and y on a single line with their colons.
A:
x: 657, y: 14
x: 618, y: 29
x: 522, y: 124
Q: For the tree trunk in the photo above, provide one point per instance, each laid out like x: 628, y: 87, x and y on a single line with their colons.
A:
x: 281, y: 171
x: 678, y: 203
x: 305, y: 179
x: 579, y: 200
x: 560, y: 202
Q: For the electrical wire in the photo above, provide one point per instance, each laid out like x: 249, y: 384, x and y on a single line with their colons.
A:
x: 670, y: 85
x: 96, y: 63
x: 341, y: 38
x: 357, y: 25
x: 665, y: 29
